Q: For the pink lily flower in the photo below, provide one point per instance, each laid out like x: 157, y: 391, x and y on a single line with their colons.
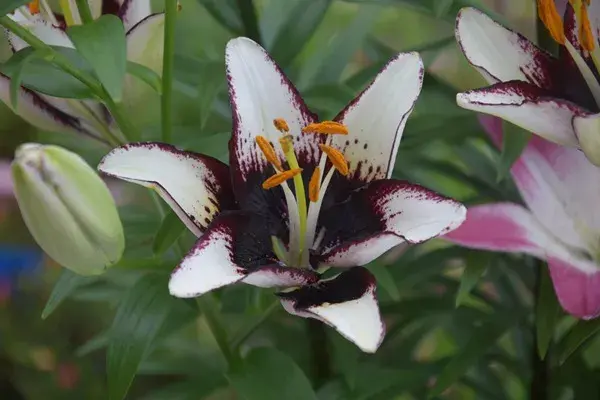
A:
x: 559, y: 187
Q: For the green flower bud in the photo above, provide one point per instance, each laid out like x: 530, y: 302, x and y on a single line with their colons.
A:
x: 67, y: 208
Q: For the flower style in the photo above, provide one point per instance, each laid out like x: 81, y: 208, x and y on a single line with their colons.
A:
x: 559, y: 187
x: 556, y: 98
x: 299, y: 196
x: 144, y: 46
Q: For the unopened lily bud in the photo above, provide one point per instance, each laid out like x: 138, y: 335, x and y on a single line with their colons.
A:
x: 67, y: 208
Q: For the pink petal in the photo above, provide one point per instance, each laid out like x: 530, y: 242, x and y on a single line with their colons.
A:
x: 578, y: 292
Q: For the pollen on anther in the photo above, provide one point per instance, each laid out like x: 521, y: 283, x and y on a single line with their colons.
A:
x: 268, y: 151
x: 280, y: 177
x: 586, y: 37
x: 286, y: 142
x: 281, y: 125
x: 34, y: 7
x: 336, y: 158
x: 326, y: 128
x: 314, y: 185
x: 551, y: 19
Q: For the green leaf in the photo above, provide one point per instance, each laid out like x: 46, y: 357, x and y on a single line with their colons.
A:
x: 15, y: 81
x: 11, y: 5
x: 514, y: 140
x: 296, y: 28
x: 102, y: 43
x: 385, y: 279
x: 271, y: 375
x: 481, y: 339
x: 442, y: 7
x: 476, y: 264
x: 577, y: 336
x: 66, y: 284
x: 226, y: 13
x: 40, y: 75
x: 169, y: 231
x: 146, y: 75
x: 138, y: 320
x: 547, y: 313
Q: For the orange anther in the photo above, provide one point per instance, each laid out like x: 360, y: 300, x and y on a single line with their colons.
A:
x: 34, y: 7
x: 314, y: 185
x: 268, y: 151
x: 336, y: 158
x: 280, y: 177
x: 327, y: 128
x: 586, y: 37
x: 287, y: 143
x: 281, y: 125
x: 551, y: 19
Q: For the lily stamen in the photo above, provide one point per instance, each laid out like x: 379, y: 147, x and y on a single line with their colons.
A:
x: 269, y: 152
x: 281, y: 177
x: 34, y: 7
x: 551, y: 19
x: 337, y: 158
x: 281, y: 125
x: 586, y: 37
x: 314, y: 185
x: 326, y: 128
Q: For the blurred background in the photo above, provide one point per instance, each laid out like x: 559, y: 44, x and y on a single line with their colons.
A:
x: 330, y: 49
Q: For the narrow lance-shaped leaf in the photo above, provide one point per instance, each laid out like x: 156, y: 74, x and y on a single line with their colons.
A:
x: 15, y: 81
x: 577, y: 336
x: 168, y: 233
x: 146, y: 75
x: 9, y: 6
x: 102, y: 43
x: 66, y: 284
x: 547, y: 313
x: 514, y: 141
x: 476, y: 264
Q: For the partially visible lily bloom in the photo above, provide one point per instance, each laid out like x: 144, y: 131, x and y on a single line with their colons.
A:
x: 559, y: 223
x: 299, y: 196
x: 555, y: 98
x: 144, y: 46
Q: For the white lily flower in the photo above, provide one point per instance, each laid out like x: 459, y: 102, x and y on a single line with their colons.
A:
x: 253, y: 228
x: 144, y: 32
x: 555, y: 98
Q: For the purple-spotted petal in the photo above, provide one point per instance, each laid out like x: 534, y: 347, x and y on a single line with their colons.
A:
x: 501, y: 54
x: 376, y: 118
x: 527, y: 106
x: 347, y: 302
x: 195, y: 186
x: 133, y: 11
x: 41, y: 28
x: 236, y: 247
x: 381, y: 215
x: 34, y: 109
x: 259, y: 92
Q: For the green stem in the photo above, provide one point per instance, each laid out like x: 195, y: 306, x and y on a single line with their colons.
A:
x: 248, y: 15
x: 247, y: 331
x: 207, y: 306
x: 84, y: 11
x: 167, y: 72
x: 127, y: 128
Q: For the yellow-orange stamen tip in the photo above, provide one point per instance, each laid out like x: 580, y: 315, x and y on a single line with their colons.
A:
x: 551, y: 19
x: 280, y: 177
x: 314, y: 185
x: 586, y: 37
x: 326, y: 128
x: 281, y: 125
x: 336, y: 158
x: 34, y: 7
x: 268, y: 151
x: 287, y: 143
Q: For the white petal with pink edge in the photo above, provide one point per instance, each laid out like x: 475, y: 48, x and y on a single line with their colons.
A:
x: 578, y: 292
x: 195, y: 186
x: 376, y: 118
x: 527, y: 106
x: 259, y: 92
x: 501, y: 54
x: 347, y: 302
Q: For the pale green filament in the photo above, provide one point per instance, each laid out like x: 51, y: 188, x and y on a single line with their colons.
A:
x: 279, y: 249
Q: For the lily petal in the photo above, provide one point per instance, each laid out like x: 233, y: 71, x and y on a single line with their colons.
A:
x: 347, y: 302
x: 259, y: 92
x: 195, y: 186
x: 381, y: 215
x: 577, y: 291
x: 528, y: 106
x: 500, y: 54
x: 376, y: 118
x: 587, y: 130
x: 133, y: 11
x: 236, y: 247
x: 554, y: 182
x: 40, y: 113
x: 40, y: 27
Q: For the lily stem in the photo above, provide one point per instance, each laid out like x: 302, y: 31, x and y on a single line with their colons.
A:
x: 130, y: 131
x: 84, y: 11
x: 248, y: 15
x: 167, y: 72
x: 207, y: 307
x: 538, y: 389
